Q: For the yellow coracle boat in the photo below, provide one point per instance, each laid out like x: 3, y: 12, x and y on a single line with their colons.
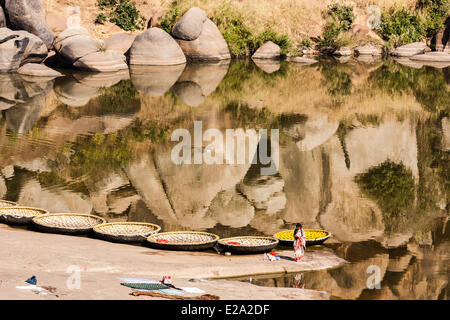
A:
x: 313, y: 236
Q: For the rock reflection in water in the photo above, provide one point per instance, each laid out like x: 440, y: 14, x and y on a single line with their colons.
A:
x: 155, y: 80
x: 22, y: 101
x: 100, y: 143
x: 198, y: 81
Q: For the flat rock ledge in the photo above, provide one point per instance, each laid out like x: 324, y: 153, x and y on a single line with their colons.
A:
x: 303, y: 60
x: 101, y: 262
x: 102, y: 255
x: 409, y: 50
x: 38, y: 70
x: 432, y: 57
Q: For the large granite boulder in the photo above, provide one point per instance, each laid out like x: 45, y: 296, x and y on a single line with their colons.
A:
x: 120, y: 42
x: 29, y: 15
x: 410, y: 49
x: 190, y: 25
x: 156, y: 47
x: 18, y: 48
x: 268, y: 50
x: 38, y: 70
x: 102, y: 61
x: 75, y: 43
x: 210, y: 45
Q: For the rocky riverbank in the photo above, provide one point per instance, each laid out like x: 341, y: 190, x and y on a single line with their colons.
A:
x: 48, y: 256
x: 30, y: 35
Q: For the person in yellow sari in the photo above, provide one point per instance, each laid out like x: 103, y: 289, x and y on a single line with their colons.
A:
x: 299, y: 242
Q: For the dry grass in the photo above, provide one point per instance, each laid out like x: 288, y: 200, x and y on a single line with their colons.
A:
x: 298, y: 19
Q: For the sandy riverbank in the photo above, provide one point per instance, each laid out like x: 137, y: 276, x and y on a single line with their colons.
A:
x: 48, y: 256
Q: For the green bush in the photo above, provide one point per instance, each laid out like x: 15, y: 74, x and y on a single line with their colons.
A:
x: 435, y: 13
x: 400, y: 26
x: 282, y: 40
x: 240, y: 39
x: 168, y: 21
x: 339, y: 19
x: 342, y: 14
x: 121, y: 12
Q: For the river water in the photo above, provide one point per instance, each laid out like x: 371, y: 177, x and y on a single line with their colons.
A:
x: 362, y: 151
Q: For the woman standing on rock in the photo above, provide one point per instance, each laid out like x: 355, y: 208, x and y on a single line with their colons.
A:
x: 299, y: 242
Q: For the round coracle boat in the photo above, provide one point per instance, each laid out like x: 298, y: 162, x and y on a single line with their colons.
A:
x: 182, y: 240
x: 19, y: 215
x: 313, y: 236
x: 67, y: 223
x: 248, y: 244
x: 125, y: 231
x: 7, y: 204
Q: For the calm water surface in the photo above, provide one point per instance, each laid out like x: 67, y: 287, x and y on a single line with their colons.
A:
x: 363, y: 152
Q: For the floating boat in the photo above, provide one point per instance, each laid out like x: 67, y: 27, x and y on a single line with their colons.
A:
x: 67, y: 223
x: 182, y: 240
x: 7, y: 204
x: 248, y: 244
x: 125, y: 231
x: 20, y: 215
x: 313, y: 236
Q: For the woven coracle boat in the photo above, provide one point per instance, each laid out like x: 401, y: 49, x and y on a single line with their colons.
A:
x: 313, y: 236
x: 7, y: 204
x: 248, y: 244
x: 182, y: 240
x: 125, y: 231
x: 19, y: 215
x: 67, y: 223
